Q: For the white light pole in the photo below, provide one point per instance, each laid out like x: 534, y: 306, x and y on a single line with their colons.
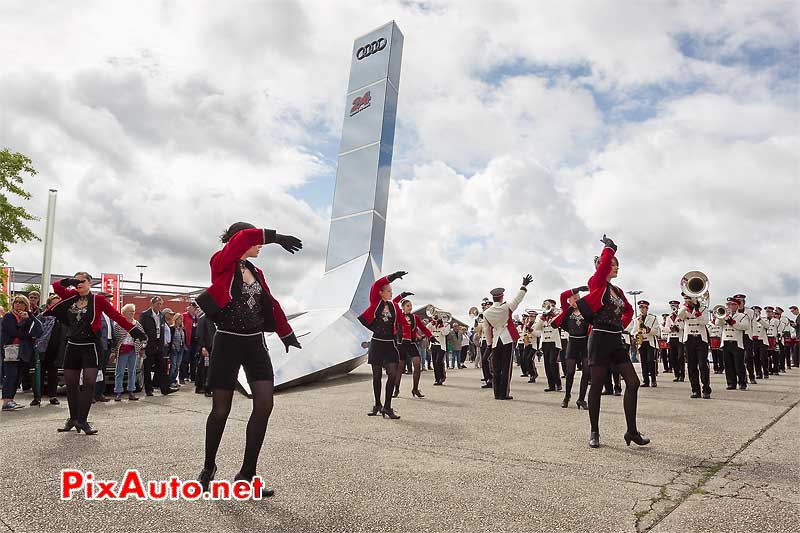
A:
x: 49, y: 232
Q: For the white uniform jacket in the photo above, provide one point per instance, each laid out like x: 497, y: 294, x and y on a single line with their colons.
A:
x: 693, y: 324
x: 497, y: 319
x: 547, y: 333
x: 735, y: 331
x: 651, y: 322
x: 670, y: 322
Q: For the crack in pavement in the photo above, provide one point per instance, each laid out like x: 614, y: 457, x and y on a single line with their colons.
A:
x: 671, y: 497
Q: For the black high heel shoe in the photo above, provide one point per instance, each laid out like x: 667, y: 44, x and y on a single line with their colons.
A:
x: 390, y: 413
x: 375, y: 409
x: 396, y: 393
x: 417, y: 393
x: 266, y: 492
x: 68, y: 425
x: 638, y: 438
x: 565, y: 403
x: 86, y: 427
x: 206, y: 476
x: 582, y: 404
x: 594, y: 439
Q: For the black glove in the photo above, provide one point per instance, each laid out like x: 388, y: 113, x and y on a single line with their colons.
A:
x: 138, y: 334
x: 583, y: 288
x: 396, y: 275
x: 291, y: 340
x: 290, y: 244
x: 608, y: 242
x: 70, y: 282
x: 406, y: 295
x: 526, y: 280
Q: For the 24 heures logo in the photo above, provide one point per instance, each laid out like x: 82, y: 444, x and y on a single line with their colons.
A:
x: 372, y: 48
x: 360, y: 103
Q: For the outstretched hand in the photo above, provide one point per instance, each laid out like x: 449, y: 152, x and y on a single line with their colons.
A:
x: 70, y: 282
x: 406, y: 294
x: 289, y: 243
x: 396, y: 275
x: 608, y: 242
x: 526, y: 280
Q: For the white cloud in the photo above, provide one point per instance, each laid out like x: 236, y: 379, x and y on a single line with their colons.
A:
x: 520, y: 124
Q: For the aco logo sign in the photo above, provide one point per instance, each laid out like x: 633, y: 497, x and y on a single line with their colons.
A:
x: 372, y: 48
x: 360, y: 103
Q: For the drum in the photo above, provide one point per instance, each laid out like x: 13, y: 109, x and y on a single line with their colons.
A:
x: 715, y: 342
x: 772, y: 343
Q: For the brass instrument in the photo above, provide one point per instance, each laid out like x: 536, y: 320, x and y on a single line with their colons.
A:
x: 473, y: 312
x: 435, y: 313
x: 720, y: 311
x: 640, y: 332
x: 694, y: 284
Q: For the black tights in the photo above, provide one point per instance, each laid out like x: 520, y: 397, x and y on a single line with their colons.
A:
x: 571, y: 364
x: 628, y: 373
x: 256, y: 425
x: 416, y: 371
x: 377, y: 375
x: 80, y: 400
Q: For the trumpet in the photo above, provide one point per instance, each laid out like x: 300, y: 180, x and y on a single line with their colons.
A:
x: 434, y: 312
x: 473, y: 312
x: 694, y: 284
x: 720, y: 311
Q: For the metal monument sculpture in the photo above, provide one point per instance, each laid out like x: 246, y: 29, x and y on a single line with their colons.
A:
x: 333, y: 340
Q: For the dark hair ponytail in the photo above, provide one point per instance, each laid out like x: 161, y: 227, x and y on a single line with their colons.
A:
x: 235, y: 228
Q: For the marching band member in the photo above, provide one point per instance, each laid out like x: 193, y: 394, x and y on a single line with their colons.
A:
x: 439, y: 332
x: 533, y: 348
x: 760, y: 355
x: 525, y: 340
x: 410, y: 335
x: 733, y: 325
x: 502, y: 337
x: 695, y: 341
x: 715, y: 342
x: 663, y: 344
x: 794, y: 322
x: 486, y: 367
x: 674, y: 335
x: 646, y: 325
x: 748, y: 336
x: 606, y: 308
x: 385, y: 319
x: 572, y: 320
x: 772, y: 340
x: 551, y: 345
x: 783, y: 334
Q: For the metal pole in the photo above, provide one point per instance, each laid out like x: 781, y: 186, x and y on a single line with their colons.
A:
x: 48, y: 244
x: 141, y: 278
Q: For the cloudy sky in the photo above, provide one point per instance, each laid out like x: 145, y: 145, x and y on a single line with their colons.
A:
x: 525, y: 131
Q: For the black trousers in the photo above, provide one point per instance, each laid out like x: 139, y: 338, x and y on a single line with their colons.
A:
x: 786, y: 359
x: 485, y: 368
x: 550, y: 350
x: 462, y: 358
x: 438, y: 363
x: 665, y: 359
x: 502, y: 365
x: 734, y: 364
x: 796, y: 355
x: 647, y: 357
x: 524, y: 360
x: 761, y: 358
x: 716, y: 357
x: 748, y: 358
x: 612, y: 383
x: 774, y: 360
x: 157, y: 364
x: 697, y: 359
x: 49, y: 372
x: 677, y: 359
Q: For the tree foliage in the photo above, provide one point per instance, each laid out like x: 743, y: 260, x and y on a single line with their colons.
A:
x: 13, y: 218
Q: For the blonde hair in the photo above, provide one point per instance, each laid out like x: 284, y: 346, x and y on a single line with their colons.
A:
x: 178, y: 318
x: 21, y: 298
x: 128, y: 307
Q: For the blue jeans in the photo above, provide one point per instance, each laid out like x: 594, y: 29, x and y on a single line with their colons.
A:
x: 11, y: 377
x: 125, y: 361
x: 175, y: 359
x: 452, y: 357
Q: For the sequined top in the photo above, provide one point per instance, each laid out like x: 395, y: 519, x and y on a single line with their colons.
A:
x: 79, y: 328
x: 609, y: 316
x: 243, y: 312
x: 383, y: 326
x: 577, y: 326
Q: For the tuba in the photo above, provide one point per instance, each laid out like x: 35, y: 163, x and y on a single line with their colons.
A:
x: 434, y: 312
x: 694, y: 284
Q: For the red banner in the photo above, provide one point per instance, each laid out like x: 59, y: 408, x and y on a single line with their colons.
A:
x: 110, y: 283
x: 6, y: 285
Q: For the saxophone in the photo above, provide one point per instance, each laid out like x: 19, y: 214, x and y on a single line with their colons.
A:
x: 641, y: 333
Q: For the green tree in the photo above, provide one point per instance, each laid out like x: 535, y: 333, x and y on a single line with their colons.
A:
x: 13, y: 218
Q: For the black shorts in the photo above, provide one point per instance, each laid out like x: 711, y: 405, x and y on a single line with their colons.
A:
x: 577, y: 348
x: 383, y: 352
x: 408, y: 350
x: 234, y: 350
x: 607, y: 349
x: 80, y: 355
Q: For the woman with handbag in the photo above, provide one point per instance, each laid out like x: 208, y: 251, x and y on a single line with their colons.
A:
x: 19, y: 331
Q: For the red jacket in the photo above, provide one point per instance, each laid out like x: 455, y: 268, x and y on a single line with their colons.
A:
x: 223, y: 269
x: 96, y: 307
x: 565, y: 308
x: 368, y: 316
x: 598, y: 285
x: 409, y: 335
x: 188, y: 326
